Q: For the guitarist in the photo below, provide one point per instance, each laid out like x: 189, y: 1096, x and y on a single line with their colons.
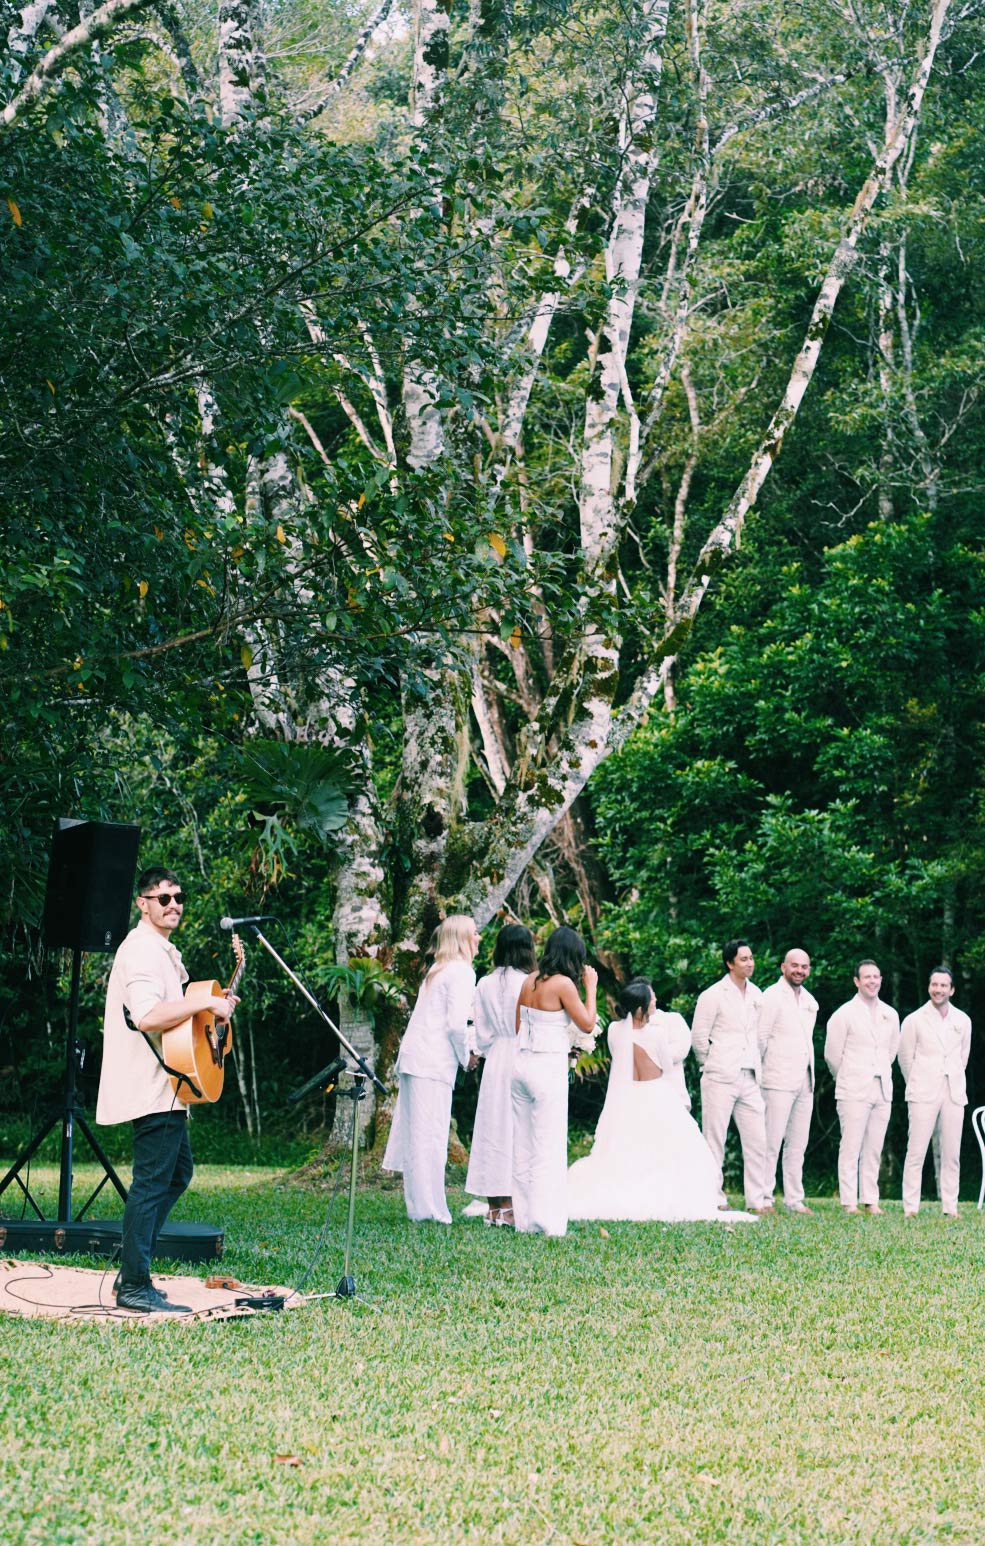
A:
x: 143, y: 999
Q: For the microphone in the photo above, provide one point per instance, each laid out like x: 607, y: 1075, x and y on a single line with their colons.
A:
x: 236, y: 923
x: 330, y: 1072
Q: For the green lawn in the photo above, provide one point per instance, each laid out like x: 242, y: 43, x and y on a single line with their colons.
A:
x: 813, y: 1380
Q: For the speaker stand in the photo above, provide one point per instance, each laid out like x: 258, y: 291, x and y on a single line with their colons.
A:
x: 68, y: 1116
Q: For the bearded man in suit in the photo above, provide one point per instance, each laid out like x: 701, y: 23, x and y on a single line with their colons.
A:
x: 933, y: 1055
x: 786, y: 1043
x: 860, y: 1047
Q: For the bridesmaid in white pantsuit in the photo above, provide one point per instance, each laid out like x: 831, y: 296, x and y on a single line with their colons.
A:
x: 436, y: 1043
x: 933, y: 1054
x: 551, y: 1019
x: 490, y: 1173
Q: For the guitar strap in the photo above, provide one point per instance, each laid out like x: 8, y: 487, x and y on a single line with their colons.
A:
x: 173, y: 1072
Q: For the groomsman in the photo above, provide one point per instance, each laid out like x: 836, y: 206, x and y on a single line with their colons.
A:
x: 933, y: 1054
x: 861, y: 1045
x: 724, y: 1038
x: 786, y: 1044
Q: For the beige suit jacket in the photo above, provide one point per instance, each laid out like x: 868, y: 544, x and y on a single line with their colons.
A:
x: 786, y: 1036
x: 723, y: 1032
x: 933, y: 1054
x: 860, y: 1047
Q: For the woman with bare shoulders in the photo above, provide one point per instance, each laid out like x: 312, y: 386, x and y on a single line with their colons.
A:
x: 436, y: 1043
x: 649, y: 1160
x: 551, y: 1019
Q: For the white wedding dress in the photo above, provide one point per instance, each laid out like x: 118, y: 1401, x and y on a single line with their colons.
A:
x: 649, y: 1160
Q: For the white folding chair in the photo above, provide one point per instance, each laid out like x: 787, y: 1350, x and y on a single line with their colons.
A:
x: 978, y: 1126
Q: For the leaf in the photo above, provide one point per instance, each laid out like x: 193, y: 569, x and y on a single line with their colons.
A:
x: 143, y: 588
x: 174, y: 201
x: 207, y: 211
x: 279, y: 534
x: 293, y: 1460
x: 604, y: 1233
x: 496, y: 543
x: 448, y: 536
x: 246, y: 656
x: 515, y: 637
x: 15, y: 213
x: 50, y: 385
x: 159, y: 533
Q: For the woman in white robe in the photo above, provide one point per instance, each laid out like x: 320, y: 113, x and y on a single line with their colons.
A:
x: 649, y: 1159
x: 490, y: 1173
x: 436, y: 1043
x: 551, y: 1020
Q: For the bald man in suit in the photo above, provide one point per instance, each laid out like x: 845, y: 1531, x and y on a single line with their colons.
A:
x: 933, y: 1054
x: 786, y: 1043
x: 860, y: 1047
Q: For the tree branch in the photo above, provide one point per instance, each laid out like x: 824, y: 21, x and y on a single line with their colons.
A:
x: 58, y: 58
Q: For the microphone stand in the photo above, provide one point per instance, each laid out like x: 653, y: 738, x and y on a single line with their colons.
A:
x: 346, y: 1287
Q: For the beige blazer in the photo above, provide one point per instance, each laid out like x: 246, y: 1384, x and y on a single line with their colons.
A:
x: 724, y: 1030
x: 933, y: 1054
x: 786, y: 1036
x: 860, y: 1047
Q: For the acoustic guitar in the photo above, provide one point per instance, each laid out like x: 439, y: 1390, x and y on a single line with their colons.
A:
x: 197, y: 1047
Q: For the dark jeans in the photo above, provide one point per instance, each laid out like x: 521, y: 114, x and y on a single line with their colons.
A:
x: 162, y: 1170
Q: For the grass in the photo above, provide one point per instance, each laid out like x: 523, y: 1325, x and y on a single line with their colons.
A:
x: 808, y: 1381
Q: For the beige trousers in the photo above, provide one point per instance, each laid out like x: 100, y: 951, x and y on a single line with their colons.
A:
x: 740, y: 1099
x: 788, y: 1124
x: 863, y: 1131
x: 924, y: 1115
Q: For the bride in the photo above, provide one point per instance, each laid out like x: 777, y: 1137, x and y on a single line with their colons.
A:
x: 649, y: 1160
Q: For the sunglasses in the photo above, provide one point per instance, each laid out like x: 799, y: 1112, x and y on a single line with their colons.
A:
x: 165, y: 897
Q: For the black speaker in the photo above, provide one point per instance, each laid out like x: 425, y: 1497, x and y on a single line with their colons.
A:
x: 90, y: 884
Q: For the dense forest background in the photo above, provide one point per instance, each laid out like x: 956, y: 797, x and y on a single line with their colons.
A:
x: 519, y: 457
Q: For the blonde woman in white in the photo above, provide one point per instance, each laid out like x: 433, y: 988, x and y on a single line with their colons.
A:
x: 490, y: 1172
x: 436, y: 1043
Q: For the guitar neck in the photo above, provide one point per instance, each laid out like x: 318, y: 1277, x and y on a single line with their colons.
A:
x: 240, y: 965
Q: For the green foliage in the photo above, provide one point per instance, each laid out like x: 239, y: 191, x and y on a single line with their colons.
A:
x: 820, y: 782
x: 368, y: 985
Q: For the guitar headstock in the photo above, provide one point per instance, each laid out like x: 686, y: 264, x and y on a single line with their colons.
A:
x: 239, y: 952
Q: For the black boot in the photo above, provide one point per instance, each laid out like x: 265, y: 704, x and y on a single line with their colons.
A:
x: 147, y: 1300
